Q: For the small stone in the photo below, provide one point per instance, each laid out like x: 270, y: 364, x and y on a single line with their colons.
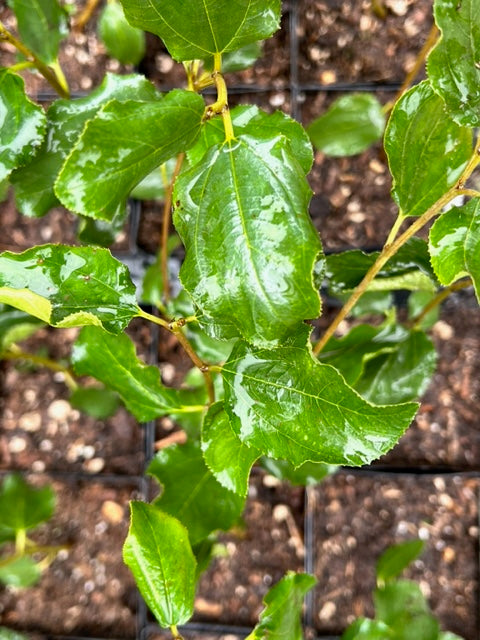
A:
x: 271, y: 481
x: 328, y: 77
x: 280, y: 512
x: 17, y: 445
x: 207, y: 608
x: 112, y: 511
x: 398, y: 7
x: 449, y: 555
x: 443, y: 330
x: 59, y: 410
x: 327, y: 612
x: 95, y: 465
x: 31, y: 421
x: 277, y: 100
x: 38, y: 466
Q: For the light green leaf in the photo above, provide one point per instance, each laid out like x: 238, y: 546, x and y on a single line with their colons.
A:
x: 158, y: 552
x: 446, y: 635
x: 101, y: 232
x: 237, y: 60
x: 195, y: 30
x: 7, y: 634
x: 69, y: 286
x: 22, y: 124
x: 112, y: 360
x: 65, y: 122
x: 402, y: 606
x: 23, y: 507
x: 350, y: 125
x: 397, y: 558
x: 15, y: 326
x: 455, y: 244
x: 95, y: 401
x: 307, y: 474
x: 122, y: 144
x: 288, y: 405
x: 191, y: 493
x: 366, y: 629
x: 42, y: 25
x: 427, y: 151
x: 20, y: 573
x: 280, y: 620
x: 225, y: 455
x: 251, y: 247
x: 417, y: 301
x: 249, y: 119
x: 454, y: 64
x: 122, y: 41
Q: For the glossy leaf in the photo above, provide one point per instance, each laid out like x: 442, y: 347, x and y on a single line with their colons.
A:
x: 453, y: 65
x: 283, y: 608
x: 42, y: 25
x: 191, y: 492
x: 289, y: 406
x: 95, y: 401
x: 397, y: 558
x: 22, y: 124
x: 350, y: 125
x: 191, y: 30
x: 307, y: 474
x: 69, y: 286
x: 427, y: 151
x: 402, y: 606
x: 237, y: 60
x: 122, y: 144
x: 158, y: 552
x: 122, y: 41
x: 401, y: 375
x: 15, y: 326
x: 249, y: 119
x: 251, y: 247
x: 66, y: 119
x: 101, y: 232
x: 20, y: 573
x: 417, y: 301
x: 112, y: 360
x: 366, y: 629
x: 455, y: 244
x: 23, y: 507
x: 152, y: 187
x: 226, y: 456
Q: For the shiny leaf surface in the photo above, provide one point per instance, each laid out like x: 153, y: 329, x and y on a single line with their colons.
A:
x: 237, y: 60
x: 307, y: 474
x: 397, y: 558
x: 20, y: 573
x: 158, y: 552
x: 226, y: 456
x: 455, y: 244
x: 366, y: 629
x: 122, y: 144
x: 251, y: 248
x: 69, y: 286
x: 195, y: 30
x: 349, y: 126
x: 112, y: 360
x: 289, y: 406
x: 283, y: 608
x: 191, y: 492
x: 42, y: 25
x: 453, y: 65
x: 22, y: 124
x: 65, y: 122
x: 426, y: 150
x: 23, y: 507
x: 122, y: 41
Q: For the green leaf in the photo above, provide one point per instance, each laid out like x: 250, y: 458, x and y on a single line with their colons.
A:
x: 426, y: 151
x: 112, y: 360
x: 158, y: 552
x: 95, y: 401
x: 366, y: 629
x: 42, y: 25
x: 251, y: 247
x: 122, y: 41
x: 446, y: 635
x: 20, y: 573
x: 7, y: 634
x: 191, y: 492
x: 69, y: 286
x: 280, y: 620
x: 152, y: 187
x: 15, y: 326
x: 453, y: 65
x: 193, y: 30
x: 237, y: 60
x: 23, y: 124
x: 100, y: 232
x: 226, y: 456
x: 417, y: 301
x: 307, y: 474
x: 349, y: 126
x: 402, y: 373
x: 249, y: 119
x: 65, y: 122
x: 23, y: 507
x: 288, y: 405
x: 122, y: 144
x: 455, y: 244
x: 397, y: 558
